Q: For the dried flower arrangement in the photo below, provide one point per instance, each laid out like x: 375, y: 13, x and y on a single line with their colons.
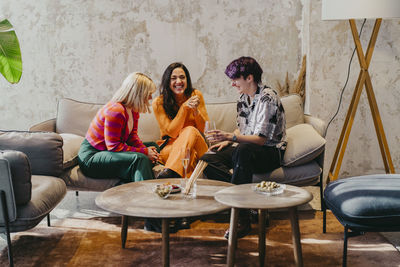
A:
x: 298, y: 86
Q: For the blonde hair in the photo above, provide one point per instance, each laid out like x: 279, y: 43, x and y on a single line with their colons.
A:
x: 135, y: 92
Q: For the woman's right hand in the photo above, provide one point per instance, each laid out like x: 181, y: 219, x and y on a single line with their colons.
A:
x: 193, y: 102
x: 152, y: 154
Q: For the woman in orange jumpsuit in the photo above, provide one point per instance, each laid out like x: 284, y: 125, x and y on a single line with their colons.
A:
x: 181, y: 114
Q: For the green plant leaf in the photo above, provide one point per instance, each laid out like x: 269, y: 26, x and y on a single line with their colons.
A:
x: 10, y: 53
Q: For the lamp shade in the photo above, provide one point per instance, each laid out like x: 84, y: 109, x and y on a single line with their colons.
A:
x: 360, y: 9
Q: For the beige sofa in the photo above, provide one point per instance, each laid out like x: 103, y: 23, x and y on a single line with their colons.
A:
x: 303, y: 161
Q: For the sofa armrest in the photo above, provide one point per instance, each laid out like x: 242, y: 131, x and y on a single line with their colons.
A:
x: 44, y: 150
x: 318, y: 124
x: 45, y: 126
x: 20, y: 171
x: 7, y: 189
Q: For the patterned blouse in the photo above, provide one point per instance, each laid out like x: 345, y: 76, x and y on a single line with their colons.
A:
x: 264, y: 116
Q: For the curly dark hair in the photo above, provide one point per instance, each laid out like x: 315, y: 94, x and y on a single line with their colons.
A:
x: 244, y: 66
x: 169, y: 103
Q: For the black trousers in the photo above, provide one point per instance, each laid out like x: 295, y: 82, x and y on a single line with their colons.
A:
x: 245, y: 160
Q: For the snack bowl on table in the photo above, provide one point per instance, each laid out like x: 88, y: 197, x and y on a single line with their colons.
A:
x: 162, y: 191
x: 269, y: 188
x: 175, y: 188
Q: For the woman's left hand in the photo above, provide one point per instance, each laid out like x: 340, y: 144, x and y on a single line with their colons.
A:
x: 153, y: 155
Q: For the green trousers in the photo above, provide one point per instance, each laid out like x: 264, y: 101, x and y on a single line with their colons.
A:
x: 127, y: 166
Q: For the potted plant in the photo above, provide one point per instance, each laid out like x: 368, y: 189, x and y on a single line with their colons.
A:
x: 10, y: 53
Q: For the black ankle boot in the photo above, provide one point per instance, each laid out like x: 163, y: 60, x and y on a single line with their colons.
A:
x: 168, y: 173
x: 155, y: 225
x: 244, y: 224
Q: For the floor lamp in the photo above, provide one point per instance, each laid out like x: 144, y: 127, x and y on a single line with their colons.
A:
x: 351, y: 10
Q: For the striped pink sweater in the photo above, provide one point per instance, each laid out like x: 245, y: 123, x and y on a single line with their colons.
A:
x: 109, y: 130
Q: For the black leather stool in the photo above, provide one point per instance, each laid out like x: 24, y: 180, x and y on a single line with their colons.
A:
x: 369, y: 203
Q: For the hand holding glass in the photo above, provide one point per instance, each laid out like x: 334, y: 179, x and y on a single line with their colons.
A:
x: 209, y: 126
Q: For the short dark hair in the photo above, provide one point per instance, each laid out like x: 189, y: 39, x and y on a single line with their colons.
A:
x: 244, y: 66
x: 169, y: 103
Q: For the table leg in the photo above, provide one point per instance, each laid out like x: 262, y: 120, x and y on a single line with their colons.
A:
x: 165, y: 242
x: 261, y: 236
x: 232, y: 241
x: 124, y: 229
x: 298, y: 258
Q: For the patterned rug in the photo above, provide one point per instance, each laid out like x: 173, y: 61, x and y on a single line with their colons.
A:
x: 96, y: 242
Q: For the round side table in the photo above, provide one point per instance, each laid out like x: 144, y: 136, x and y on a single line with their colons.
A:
x: 244, y: 197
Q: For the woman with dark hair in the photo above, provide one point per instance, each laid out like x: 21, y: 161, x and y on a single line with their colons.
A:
x: 181, y: 114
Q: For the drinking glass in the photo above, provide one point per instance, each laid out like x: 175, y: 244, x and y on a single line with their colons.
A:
x: 209, y: 126
x: 185, y: 159
x: 185, y: 154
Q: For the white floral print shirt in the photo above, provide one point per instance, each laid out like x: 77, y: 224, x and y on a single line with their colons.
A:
x: 264, y: 116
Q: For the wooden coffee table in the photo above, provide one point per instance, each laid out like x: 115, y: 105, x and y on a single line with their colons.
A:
x: 138, y: 200
x: 243, y: 196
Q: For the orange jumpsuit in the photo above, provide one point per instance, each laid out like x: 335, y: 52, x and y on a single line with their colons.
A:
x: 185, y: 132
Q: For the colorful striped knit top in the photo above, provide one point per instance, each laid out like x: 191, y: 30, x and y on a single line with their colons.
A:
x: 109, y: 130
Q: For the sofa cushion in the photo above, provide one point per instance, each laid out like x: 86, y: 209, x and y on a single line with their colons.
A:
x: 47, y: 192
x: 44, y: 149
x: 68, y: 110
x: 71, y: 145
x: 303, y: 145
x: 306, y: 174
x: 76, y: 180
x: 20, y: 172
x: 148, y: 130
x: 294, y: 113
x: 75, y: 116
x: 224, y: 115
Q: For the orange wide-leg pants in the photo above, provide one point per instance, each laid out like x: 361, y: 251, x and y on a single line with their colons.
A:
x: 173, y: 153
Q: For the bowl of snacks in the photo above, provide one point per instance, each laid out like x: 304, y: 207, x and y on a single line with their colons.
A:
x: 162, y: 191
x: 269, y: 188
x: 175, y: 188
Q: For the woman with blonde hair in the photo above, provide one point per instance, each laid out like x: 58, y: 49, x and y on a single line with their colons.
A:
x: 112, y: 147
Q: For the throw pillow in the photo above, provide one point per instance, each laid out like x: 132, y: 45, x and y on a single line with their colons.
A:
x: 303, y: 145
x: 294, y: 113
x: 71, y: 145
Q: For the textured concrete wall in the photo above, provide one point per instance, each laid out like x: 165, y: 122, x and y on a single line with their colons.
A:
x: 83, y: 49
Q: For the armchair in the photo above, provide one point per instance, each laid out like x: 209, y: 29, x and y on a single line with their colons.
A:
x: 29, y: 187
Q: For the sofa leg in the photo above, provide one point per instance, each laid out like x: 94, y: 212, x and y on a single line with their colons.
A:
x: 323, y: 207
x: 48, y: 220
x: 7, y: 226
x: 346, y: 233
